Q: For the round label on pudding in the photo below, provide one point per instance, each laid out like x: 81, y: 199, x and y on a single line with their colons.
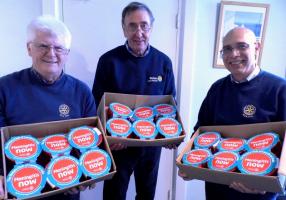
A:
x: 169, y: 127
x: 144, y: 113
x: 26, y: 180
x: 196, y: 157
x: 207, y: 139
x: 118, y: 127
x: 120, y: 111
x: 83, y: 138
x: 232, y: 144
x: 95, y: 163
x: 223, y: 161
x: 145, y: 129
x: 63, y: 172
x: 165, y: 110
x: 257, y: 163
x: 56, y: 145
x: 262, y: 142
x: 23, y: 149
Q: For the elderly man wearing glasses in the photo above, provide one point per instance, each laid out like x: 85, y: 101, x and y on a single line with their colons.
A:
x: 248, y: 95
x: 134, y: 68
x: 44, y: 92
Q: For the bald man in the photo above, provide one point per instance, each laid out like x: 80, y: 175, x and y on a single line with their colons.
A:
x: 247, y: 95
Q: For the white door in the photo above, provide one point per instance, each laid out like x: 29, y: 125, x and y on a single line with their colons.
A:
x: 96, y: 28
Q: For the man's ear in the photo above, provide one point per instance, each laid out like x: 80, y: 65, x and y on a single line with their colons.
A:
x: 28, y: 45
x: 257, y: 46
x: 257, y: 49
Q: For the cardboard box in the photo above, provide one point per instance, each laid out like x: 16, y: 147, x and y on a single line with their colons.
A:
x: 267, y: 183
x: 40, y: 130
x: 134, y: 101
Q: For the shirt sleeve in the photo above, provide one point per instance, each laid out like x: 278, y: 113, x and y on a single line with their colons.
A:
x: 89, y: 109
x: 170, y: 88
x: 205, y: 112
x: 99, y: 81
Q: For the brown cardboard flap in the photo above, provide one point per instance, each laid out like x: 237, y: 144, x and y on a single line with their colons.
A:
x: 268, y: 183
x: 40, y: 130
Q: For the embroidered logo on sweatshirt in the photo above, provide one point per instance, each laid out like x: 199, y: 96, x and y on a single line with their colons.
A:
x: 155, y: 79
x: 249, y: 111
x: 64, y: 110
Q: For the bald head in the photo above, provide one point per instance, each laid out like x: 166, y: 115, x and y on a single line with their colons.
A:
x: 240, y: 32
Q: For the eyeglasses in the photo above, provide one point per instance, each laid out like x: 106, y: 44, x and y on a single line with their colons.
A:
x: 43, y: 48
x: 228, y: 49
x: 133, y: 27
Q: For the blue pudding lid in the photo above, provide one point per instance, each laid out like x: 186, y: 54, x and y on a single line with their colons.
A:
x: 207, y: 140
x: 169, y: 127
x: 56, y: 145
x: 196, y: 157
x: 262, y: 142
x: 232, y: 144
x: 83, y: 138
x: 26, y: 180
x: 120, y: 111
x: 223, y: 161
x: 165, y: 110
x: 119, y: 127
x: 143, y: 113
x: 145, y: 129
x: 20, y: 149
x: 95, y: 163
x: 257, y: 163
x: 63, y: 171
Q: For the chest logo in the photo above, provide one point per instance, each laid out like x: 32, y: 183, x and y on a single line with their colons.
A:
x: 249, y: 111
x: 64, y: 110
x: 155, y: 79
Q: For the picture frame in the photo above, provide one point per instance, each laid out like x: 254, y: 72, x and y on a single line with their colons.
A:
x: 250, y: 15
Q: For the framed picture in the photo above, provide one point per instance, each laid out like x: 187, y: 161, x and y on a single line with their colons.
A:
x: 253, y: 16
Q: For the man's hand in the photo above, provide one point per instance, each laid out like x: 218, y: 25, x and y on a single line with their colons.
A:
x: 183, y: 175
x: 81, y: 188
x: 117, y: 146
x: 170, y: 146
x: 2, y: 187
x: 243, y: 189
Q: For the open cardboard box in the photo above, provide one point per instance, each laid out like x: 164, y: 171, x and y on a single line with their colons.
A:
x: 134, y: 101
x: 39, y: 130
x: 267, y: 183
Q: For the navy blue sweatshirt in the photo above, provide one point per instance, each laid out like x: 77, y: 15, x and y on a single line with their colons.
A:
x: 263, y: 99
x: 25, y: 98
x: 119, y: 71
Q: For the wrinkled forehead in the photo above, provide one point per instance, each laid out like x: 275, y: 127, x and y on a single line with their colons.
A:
x: 137, y: 16
x: 238, y: 36
x: 49, y: 37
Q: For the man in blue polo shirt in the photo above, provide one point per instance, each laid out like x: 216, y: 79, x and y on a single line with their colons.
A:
x: 134, y: 68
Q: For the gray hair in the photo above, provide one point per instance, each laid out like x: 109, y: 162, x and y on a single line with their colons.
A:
x: 50, y: 24
x: 133, y: 6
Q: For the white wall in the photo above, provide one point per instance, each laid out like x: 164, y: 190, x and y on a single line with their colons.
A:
x: 14, y: 19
